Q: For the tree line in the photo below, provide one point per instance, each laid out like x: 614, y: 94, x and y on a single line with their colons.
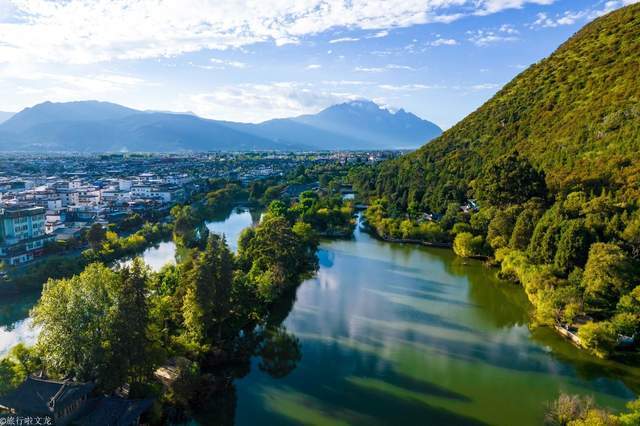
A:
x: 212, y: 310
x: 576, y: 254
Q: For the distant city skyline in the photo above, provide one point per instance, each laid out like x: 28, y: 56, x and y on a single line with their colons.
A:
x: 255, y: 60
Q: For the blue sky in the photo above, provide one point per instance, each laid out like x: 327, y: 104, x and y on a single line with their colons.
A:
x: 251, y: 60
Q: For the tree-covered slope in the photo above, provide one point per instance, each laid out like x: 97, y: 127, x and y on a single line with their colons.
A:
x: 575, y: 115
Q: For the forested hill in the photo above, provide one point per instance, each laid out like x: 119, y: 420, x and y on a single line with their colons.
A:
x: 575, y: 115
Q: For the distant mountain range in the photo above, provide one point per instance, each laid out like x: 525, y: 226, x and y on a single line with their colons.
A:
x: 4, y: 116
x: 92, y: 126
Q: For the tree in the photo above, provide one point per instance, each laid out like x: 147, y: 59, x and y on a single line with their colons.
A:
x: 95, y: 326
x: 133, y: 345
x: 197, y: 308
x: 451, y: 216
x: 10, y: 375
x: 307, y: 246
x: 223, y: 288
x: 77, y: 317
x: 568, y: 408
x: 323, y: 180
x: 631, y: 235
x: 557, y: 305
x: 278, y: 208
x: 523, y: 228
x: 626, y: 323
x: 632, y: 417
x: 206, y: 303
x: 630, y: 302
x: 598, y: 337
x: 510, y: 179
x: 501, y: 227
x: 481, y: 219
x: 188, y: 228
x: 522, y: 231
x: 542, y: 248
x: 466, y: 245
x: 608, y: 275
x: 574, y: 410
x: 96, y: 235
x: 275, y: 255
x: 27, y: 360
x: 573, y: 247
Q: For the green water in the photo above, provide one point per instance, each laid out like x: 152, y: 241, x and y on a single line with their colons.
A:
x: 400, y: 334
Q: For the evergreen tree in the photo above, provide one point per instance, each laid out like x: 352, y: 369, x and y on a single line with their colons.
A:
x: 573, y: 247
x: 608, y: 275
x: 510, y: 179
x: 131, y: 341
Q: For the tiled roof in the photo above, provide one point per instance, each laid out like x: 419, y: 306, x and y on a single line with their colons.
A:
x: 43, y: 397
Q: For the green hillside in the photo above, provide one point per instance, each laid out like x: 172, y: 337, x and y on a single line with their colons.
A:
x: 576, y: 115
x: 554, y: 162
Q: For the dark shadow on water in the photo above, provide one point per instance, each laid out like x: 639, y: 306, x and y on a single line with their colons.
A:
x: 16, y: 308
x: 339, y: 391
x: 427, y: 294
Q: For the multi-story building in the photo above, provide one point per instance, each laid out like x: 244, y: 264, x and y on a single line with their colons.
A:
x: 22, y: 233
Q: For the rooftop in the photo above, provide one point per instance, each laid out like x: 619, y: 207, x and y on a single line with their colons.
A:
x: 43, y: 397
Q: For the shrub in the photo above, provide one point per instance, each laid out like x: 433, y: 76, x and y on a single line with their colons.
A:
x: 598, y: 337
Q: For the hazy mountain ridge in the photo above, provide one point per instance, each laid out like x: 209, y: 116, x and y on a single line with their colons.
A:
x: 4, y: 116
x: 93, y: 126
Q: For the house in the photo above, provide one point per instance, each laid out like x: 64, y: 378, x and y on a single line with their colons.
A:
x: 68, y: 402
x: 22, y: 233
x: 294, y: 191
x: 114, y: 411
x: 62, y: 402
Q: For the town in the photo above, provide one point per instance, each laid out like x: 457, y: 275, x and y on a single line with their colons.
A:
x: 50, y: 199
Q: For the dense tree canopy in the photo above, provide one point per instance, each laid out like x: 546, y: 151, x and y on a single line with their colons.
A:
x: 573, y: 115
x: 510, y: 179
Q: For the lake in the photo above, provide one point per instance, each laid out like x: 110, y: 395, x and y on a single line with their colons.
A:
x: 405, y: 334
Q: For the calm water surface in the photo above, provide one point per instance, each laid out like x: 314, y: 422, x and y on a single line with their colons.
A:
x: 402, y: 334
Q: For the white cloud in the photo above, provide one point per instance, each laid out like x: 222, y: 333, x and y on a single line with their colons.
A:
x: 486, y: 7
x: 570, y: 17
x: 226, y: 63
x: 484, y: 38
x: 610, y: 6
x: 89, y: 31
x: 385, y: 68
x: 508, y: 29
x: 418, y: 87
x: 379, y: 34
x: 29, y: 85
x: 343, y: 40
x: 567, y: 18
x: 369, y: 69
x: 443, y: 42
x: 485, y: 86
x: 259, y: 102
x: 313, y: 66
x: 400, y: 67
x: 346, y: 82
x: 409, y: 87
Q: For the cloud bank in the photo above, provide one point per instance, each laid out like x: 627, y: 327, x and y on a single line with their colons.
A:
x: 91, y: 31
